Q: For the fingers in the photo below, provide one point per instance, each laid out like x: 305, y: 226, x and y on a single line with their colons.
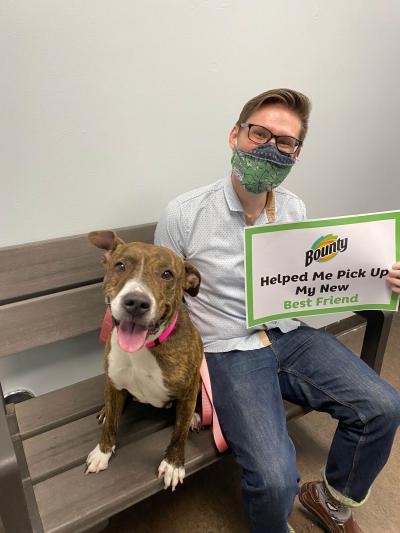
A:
x: 394, y: 278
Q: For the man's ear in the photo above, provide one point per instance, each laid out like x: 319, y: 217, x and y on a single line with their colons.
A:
x: 106, y: 240
x: 233, y: 137
x: 192, y: 279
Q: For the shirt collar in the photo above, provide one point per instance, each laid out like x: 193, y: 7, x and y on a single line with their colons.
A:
x: 231, y: 196
x: 235, y: 205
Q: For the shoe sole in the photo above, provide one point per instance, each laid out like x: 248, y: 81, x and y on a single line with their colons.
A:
x: 320, y: 520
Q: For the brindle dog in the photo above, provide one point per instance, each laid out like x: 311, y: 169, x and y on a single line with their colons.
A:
x: 144, y: 287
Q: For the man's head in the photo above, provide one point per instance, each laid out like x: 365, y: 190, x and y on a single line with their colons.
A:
x: 282, y: 112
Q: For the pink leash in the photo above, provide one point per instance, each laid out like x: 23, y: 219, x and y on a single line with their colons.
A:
x: 209, y: 415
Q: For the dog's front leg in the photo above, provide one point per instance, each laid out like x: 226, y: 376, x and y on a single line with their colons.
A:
x: 172, y: 466
x: 114, y: 401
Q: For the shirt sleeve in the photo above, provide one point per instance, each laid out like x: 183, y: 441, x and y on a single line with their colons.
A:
x: 170, y: 230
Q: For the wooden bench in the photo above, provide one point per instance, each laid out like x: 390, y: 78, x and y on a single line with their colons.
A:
x: 51, y: 291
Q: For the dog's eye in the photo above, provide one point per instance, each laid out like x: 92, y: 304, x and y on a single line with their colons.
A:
x: 120, y: 267
x: 167, y: 274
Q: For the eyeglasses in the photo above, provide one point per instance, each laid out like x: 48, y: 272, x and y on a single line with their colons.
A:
x: 261, y: 135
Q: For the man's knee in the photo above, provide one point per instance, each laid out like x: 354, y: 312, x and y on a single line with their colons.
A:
x: 387, y: 407
x: 277, y: 481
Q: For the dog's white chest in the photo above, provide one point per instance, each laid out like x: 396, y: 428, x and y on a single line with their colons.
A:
x: 137, y: 372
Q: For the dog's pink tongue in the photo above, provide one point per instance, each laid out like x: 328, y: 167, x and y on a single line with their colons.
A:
x: 131, y: 337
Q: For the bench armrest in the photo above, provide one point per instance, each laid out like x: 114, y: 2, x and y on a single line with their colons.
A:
x: 375, y: 337
x: 13, y: 509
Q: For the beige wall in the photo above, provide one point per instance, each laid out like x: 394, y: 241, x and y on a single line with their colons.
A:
x: 109, y: 109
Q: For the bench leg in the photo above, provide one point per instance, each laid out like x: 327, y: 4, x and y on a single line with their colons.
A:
x: 13, y: 508
x: 376, y: 337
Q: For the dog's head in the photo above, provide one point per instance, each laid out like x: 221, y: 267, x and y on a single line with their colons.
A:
x: 143, y: 284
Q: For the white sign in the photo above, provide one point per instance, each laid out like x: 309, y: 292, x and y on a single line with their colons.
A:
x: 320, y: 266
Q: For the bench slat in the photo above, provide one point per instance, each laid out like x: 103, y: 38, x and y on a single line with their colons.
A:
x: 65, y: 447
x: 76, y: 401
x: 50, y: 318
x: 78, y: 501
x: 60, y: 406
x: 56, y: 263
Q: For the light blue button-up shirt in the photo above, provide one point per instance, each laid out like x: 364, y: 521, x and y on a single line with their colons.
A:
x: 205, y: 226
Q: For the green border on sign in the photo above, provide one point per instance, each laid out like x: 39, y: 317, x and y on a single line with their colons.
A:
x: 317, y: 223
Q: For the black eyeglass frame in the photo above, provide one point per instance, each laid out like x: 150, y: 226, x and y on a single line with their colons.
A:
x: 273, y: 136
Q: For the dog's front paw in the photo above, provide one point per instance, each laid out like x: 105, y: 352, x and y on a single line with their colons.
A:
x: 172, y: 474
x: 98, y: 460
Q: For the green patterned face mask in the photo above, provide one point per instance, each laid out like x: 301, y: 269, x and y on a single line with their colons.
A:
x: 261, y: 169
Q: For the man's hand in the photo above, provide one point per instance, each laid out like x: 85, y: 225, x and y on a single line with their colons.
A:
x: 394, y: 278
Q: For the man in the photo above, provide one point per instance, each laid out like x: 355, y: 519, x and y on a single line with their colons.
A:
x: 251, y: 370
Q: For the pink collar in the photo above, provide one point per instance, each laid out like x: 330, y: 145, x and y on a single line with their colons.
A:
x: 164, y: 335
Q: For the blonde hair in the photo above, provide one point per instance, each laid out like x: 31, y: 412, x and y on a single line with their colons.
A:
x: 294, y: 100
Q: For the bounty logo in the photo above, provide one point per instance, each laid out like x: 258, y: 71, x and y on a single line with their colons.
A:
x: 325, y: 248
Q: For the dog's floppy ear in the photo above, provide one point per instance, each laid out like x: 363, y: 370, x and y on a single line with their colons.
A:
x: 106, y: 240
x: 192, y: 279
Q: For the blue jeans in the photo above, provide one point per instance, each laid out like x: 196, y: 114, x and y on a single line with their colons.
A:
x: 308, y: 367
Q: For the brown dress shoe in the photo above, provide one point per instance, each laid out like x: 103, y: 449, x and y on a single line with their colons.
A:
x: 334, y: 517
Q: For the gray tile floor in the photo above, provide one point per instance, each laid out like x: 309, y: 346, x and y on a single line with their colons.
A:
x: 210, y: 501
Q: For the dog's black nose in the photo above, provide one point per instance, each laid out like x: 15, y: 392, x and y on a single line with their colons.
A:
x: 135, y: 304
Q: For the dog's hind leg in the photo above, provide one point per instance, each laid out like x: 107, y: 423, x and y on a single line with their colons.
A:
x: 101, y: 416
x: 195, y: 423
x: 114, y: 399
